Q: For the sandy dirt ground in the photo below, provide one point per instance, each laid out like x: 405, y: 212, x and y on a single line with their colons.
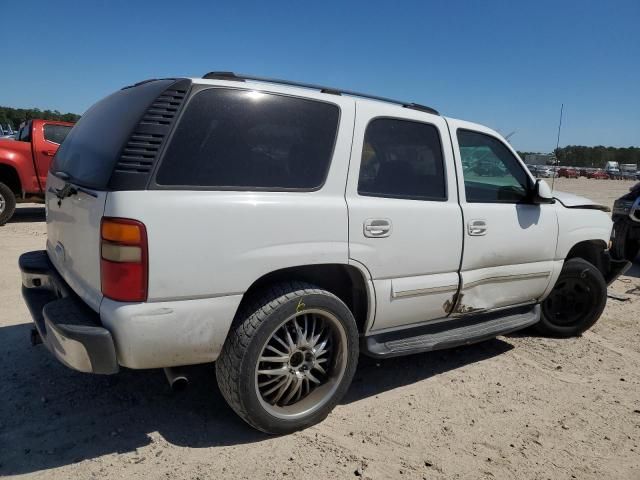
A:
x: 515, y: 407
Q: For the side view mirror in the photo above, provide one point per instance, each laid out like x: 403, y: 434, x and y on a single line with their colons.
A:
x: 542, y: 193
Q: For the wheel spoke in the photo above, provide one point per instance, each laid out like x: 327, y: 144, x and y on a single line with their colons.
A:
x: 269, y: 382
x: 275, y: 371
x: 283, y: 381
x: 306, y: 328
x: 294, y: 390
x: 311, y: 377
x: 282, y: 390
x: 299, y: 334
x: 306, y: 387
x: 320, y: 368
x: 316, y: 338
x: 290, y: 341
x: 321, y: 347
x: 275, y: 350
x: 280, y: 359
x: 281, y: 341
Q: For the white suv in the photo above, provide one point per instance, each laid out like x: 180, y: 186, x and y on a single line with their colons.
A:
x: 280, y: 229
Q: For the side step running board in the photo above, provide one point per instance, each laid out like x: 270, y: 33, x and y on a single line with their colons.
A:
x: 451, y: 332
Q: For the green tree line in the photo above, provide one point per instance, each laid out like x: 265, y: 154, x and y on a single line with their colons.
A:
x: 15, y: 116
x: 580, y: 156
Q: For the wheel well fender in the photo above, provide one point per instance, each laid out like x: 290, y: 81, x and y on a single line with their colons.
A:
x: 9, y: 176
x: 591, y: 251
x: 347, y: 282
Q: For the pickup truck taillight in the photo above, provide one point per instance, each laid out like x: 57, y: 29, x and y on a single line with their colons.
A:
x: 123, y: 259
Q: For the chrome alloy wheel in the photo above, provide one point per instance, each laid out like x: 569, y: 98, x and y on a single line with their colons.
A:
x: 301, y: 364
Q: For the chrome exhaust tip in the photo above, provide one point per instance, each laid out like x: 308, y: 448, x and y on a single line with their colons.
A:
x: 178, y: 381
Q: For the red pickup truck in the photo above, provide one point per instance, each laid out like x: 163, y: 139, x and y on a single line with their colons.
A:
x: 24, y: 163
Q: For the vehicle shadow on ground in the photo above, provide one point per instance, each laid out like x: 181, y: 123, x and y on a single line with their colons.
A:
x: 51, y: 416
x: 28, y: 214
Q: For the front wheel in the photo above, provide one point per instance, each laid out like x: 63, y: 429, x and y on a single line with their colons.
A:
x: 7, y: 203
x: 289, y: 358
x: 576, y: 302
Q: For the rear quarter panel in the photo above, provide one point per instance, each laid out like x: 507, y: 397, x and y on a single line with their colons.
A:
x: 204, y: 244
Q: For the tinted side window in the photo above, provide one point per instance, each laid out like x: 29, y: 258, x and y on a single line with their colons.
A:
x: 402, y: 159
x: 242, y: 139
x: 492, y: 174
x: 24, y: 135
x: 56, y: 133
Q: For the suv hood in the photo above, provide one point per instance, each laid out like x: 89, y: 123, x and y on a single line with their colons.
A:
x: 569, y: 200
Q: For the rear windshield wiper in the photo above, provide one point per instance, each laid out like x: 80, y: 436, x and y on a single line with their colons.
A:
x: 68, y: 189
x: 64, y: 192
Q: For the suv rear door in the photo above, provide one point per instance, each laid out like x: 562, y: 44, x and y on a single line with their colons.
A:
x: 509, y: 242
x: 405, y: 224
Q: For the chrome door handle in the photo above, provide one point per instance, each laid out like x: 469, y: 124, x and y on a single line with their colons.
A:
x: 377, y: 227
x: 477, y: 228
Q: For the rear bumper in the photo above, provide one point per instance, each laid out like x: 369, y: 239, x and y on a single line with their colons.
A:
x: 132, y: 335
x: 69, y: 329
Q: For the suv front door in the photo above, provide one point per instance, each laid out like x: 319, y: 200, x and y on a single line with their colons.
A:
x: 509, y: 242
x: 405, y: 224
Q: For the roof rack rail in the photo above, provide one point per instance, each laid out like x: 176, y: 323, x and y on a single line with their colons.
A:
x: 334, y: 91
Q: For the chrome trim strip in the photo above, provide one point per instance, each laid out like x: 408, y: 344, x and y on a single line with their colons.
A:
x: 506, y: 278
x: 422, y: 291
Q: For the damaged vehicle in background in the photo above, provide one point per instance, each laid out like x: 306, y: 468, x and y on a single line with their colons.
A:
x: 626, y: 225
x: 280, y: 229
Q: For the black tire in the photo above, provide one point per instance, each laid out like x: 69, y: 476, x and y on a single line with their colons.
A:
x: 255, y: 325
x: 576, y: 302
x: 7, y: 204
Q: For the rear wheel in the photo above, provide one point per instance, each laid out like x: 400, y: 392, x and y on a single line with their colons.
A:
x: 576, y: 302
x: 7, y: 203
x: 289, y: 358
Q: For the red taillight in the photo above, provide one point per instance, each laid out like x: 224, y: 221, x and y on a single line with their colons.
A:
x: 123, y: 259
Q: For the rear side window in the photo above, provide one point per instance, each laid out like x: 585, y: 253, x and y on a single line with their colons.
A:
x: 402, y: 159
x: 242, y: 139
x: 56, y: 133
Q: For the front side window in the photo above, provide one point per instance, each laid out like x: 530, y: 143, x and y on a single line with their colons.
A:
x: 492, y: 174
x: 242, y: 139
x: 402, y: 159
x: 56, y: 133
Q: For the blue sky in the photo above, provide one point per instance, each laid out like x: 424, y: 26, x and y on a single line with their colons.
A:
x: 505, y: 64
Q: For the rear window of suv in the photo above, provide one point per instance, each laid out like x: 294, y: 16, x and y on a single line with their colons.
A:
x: 247, y: 140
x: 92, y: 147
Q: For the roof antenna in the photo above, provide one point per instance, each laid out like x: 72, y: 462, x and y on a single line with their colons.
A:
x: 553, y: 180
